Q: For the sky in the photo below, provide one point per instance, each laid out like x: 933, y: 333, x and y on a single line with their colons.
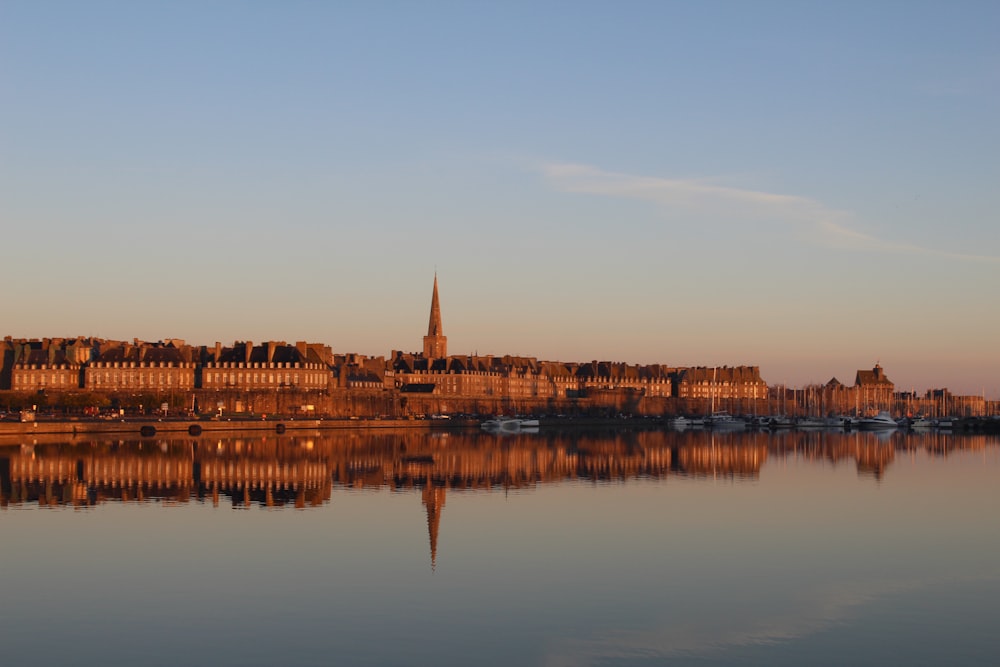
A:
x: 807, y: 187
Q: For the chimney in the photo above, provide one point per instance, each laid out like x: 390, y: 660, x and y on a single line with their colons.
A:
x: 271, y: 345
x: 247, y: 349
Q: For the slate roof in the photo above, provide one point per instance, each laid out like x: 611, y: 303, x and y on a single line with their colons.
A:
x: 875, y: 376
x: 283, y: 354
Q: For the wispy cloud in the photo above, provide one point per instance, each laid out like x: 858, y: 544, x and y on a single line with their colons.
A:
x: 711, y: 636
x: 813, y: 219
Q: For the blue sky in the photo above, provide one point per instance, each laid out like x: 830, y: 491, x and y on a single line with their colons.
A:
x: 805, y: 186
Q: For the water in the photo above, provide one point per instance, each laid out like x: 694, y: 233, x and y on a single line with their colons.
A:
x: 572, y: 548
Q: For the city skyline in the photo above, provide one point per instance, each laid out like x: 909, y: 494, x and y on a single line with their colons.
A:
x: 805, y: 188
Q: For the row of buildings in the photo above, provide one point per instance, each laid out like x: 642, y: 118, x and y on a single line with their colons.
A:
x: 94, y: 364
x: 171, y: 366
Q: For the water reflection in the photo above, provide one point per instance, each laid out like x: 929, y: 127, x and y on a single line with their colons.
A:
x: 303, y: 470
x: 613, y: 547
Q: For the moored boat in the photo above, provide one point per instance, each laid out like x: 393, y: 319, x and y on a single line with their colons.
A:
x: 509, y: 424
x: 883, y: 421
x: 722, y: 420
x: 845, y: 422
x: 781, y: 421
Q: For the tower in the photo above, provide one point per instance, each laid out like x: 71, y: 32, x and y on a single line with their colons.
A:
x: 435, y: 342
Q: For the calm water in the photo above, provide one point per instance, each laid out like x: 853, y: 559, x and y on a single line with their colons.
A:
x: 615, y: 548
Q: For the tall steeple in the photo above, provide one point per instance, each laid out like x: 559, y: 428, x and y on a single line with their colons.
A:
x: 435, y: 342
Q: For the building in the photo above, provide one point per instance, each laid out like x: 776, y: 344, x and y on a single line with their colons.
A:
x: 873, y: 390
x: 435, y: 342
x: 271, y: 365
x: 139, y: 366
x: 49, y: 364
x: 723, y: 384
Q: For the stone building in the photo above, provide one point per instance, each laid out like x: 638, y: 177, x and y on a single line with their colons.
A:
x: 874, y: 391
x: 270, y: 365
x: 49, y: 364
x: 652, y: 380
x: 140, y: 366
x: 728, y: 383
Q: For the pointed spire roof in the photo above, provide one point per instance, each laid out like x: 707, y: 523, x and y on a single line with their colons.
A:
x: 434, y: 327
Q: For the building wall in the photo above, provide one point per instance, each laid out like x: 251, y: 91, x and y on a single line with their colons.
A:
x: 116, y: 376
x: 250, y: 376
x: 32, y: 377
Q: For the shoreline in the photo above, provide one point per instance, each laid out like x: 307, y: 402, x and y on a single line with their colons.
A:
x: 196, y: 427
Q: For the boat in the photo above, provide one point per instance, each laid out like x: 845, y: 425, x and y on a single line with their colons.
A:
x: 680, y: 423
x: 921, y: 424
x: 845, y: 422
x: 883, y: 421
x: 508, y: 424
x: 810, y: 423
x: 781, y: 421
x: 722, y: 420
x: 945, y: 423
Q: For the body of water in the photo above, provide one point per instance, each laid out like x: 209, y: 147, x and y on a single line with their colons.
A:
x: 454, y: 548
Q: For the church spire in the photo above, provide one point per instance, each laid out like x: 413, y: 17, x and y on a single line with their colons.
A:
x: 435, y: 342
x: 434, y: 326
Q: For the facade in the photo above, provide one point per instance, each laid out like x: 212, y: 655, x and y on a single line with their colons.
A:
x: 50, y: 364
x: 874, y: 391
x: 156, y: 367
x: 269, y: 366
x: 721, y: 384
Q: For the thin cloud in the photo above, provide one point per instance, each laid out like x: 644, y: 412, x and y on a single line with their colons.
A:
x: 826, y: 226
x: 713, y: 636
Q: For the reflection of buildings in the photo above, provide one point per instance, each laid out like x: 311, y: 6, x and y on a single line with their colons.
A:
x: 302, y: 471
x: 272, y: 466
x: 177, y: 471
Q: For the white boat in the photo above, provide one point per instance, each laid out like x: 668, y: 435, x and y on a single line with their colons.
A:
x: 722, y: 420
x: 883, y: 421
x: 509, y: 424
x: 945, y: 423
x: 921, y: 424
x: 810, y: 423
x: 680, y: 423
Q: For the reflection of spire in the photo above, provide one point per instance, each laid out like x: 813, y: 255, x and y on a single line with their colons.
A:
x: 435, y: 342
x: 433, y: 500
